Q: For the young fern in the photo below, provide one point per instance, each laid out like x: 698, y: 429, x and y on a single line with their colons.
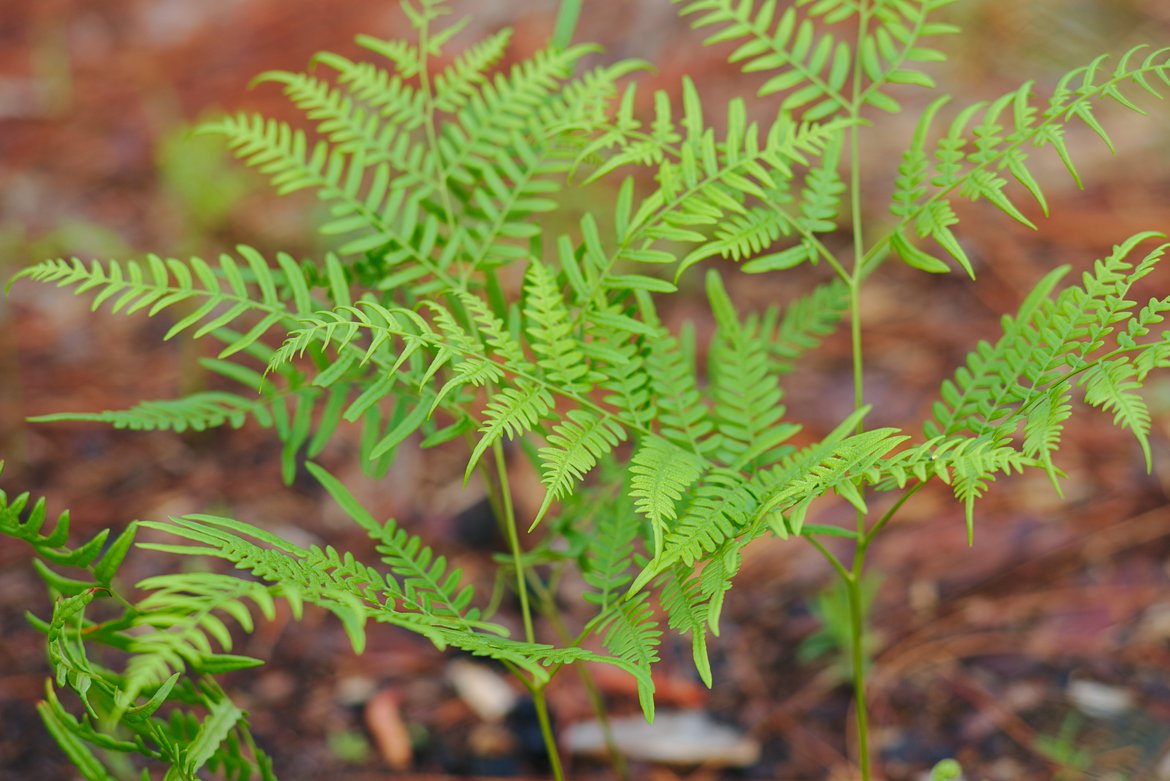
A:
x: 462, y: 304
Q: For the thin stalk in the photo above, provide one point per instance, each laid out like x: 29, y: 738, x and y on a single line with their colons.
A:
x: 536, y: 690
x: 857, y: 648
x: 566, y: 24
x: 550, y: 741
x: 853, y: 581
x: 890, y: 513
x: 513, y: 540
x: 828, y: 554
x: 617, y: 759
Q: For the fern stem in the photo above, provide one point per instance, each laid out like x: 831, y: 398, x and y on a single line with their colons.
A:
x: 890, y: 513
x: 830, y: 557
x: 546, y: 732
x: 513, y: 540
x: 566, y: 24
x: 857, y: 648
x: 537, y: 691
x: 617, y: 759
x: 424, y: 80
x: 853, y: 581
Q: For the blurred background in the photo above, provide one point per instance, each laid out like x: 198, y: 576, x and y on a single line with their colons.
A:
x: 1042, y: 653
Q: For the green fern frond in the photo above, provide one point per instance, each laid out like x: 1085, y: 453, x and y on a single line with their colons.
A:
x: 425, y: 579
x: 716, y: 578
x: 619, y: 356
x: 502, y: 106
x: 889, y: 55
x: 550, y: 332
x: 632, y: 635
x: 1044, y: 426
x: 372, y: 114
x: 175, y: 624
x: 1113, y: 386
x: 575, y: 445
x: 969, y: 161
x: 682, y: 416
x: 517, y: 183
x: 659, y: 474
x: 339, y: 584
x: 609, y: 555
x: 686, y: 612
x: 827, y: 466
x: 462, y: 80
x: 800, y: 326
x: 222, y: 294
x: 511, y: 412
x: 1050, y: 338
x: 813, y: 68
x: 98, y: 556
x: 743, y: 236
x: 366, y: 86
x: 721, y: 507
x: 974, y: 464
x: 745, y: 391
x: 361, y: 194
x: 198, y: 412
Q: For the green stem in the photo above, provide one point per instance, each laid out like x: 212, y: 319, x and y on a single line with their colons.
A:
x: 617, y: 759
x: 546, y: 732
x: 857, y: 646
x: 889, y: 514
x: 566, y: 23
x: 828, y: 554
x: 513, y: 540
x: 537, y: 690
x: 853, y: 582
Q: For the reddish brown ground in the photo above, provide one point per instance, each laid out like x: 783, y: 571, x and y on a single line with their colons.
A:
x: 977, y: 647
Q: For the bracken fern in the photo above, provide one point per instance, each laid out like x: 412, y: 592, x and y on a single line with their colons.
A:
x: 461, y: 304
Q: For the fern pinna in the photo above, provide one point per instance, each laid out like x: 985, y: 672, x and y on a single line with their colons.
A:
x: 462, y: 303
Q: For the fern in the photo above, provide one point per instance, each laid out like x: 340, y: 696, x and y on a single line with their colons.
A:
x: 224, y: 293
x: 659, y: 474
x: 469, y: 304
x: 969, y: 162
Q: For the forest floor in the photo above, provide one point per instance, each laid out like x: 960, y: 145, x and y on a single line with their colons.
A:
x: 1043, y: 652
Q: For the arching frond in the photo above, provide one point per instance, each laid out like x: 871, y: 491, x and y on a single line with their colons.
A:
x: 813, y: 67
x: 986, y: 143
x: 197, y: 412
x: 632, y: 635
x: 660, y: 472
x: 221, y: 294
x: 575, y: 445
x: 744, y: 388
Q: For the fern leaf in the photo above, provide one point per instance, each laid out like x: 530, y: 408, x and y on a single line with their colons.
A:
x: 197, y: 412
x: 461, y: 81
x: 610, y: 555
x: 632, y: 635
x: 221, y: 294
x: 683, y: 417
x: 550, y: 331
x: 970, y: 155
x: 803, y: 323
x: 574, y: 447
x: 659, y: 474
x: 1112, y: 387
x: 745, y: 390
x: 812, y: 69
x: 686, y: 611
x: 511, y: 412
